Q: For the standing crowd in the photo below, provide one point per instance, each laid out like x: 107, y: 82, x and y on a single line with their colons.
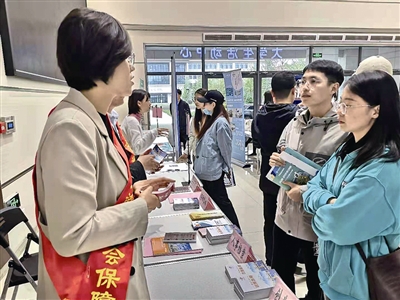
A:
x: 98, y: 202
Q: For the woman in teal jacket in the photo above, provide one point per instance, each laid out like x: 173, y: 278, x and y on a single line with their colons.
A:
x: 355, y: 198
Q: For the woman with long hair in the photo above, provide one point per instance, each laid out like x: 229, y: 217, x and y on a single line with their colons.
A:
x: 195, y: 123
x: 140, y: 140
x: 355, y: 197
x: 214, y: 152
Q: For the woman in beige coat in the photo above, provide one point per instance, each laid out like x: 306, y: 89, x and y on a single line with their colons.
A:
x: 90, y: 222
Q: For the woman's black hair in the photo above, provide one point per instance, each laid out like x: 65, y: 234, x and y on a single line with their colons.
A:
x: 136, y: 96
x: 219, y: 110
x: 198, y: 114
x: 378, y: 88
x: 268, y: 98
x: 90, y: 46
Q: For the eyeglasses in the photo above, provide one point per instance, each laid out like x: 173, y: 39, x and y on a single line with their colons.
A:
x: 343, y: 107
x: 131, y: 59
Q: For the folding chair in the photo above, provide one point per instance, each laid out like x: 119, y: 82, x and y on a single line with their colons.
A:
x: 22, y: 270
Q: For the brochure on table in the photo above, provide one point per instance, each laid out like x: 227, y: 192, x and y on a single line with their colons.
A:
x: 160, y: 225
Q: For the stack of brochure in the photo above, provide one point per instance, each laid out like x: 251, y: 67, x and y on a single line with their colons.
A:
x: 250, y: 268
x: 185, y: 203
x: 219, y: 234
x: 205, y: 215
x: 156, y: 247
x: 209, y: 223
x: 253, y: 287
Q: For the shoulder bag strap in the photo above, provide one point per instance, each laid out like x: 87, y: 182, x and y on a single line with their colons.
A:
x: 361, y: 251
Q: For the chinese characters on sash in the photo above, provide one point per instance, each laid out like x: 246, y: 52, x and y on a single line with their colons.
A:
x: 108, y: 277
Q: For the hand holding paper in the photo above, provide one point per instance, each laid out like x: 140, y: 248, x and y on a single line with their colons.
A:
x: 156, y: 183
x: 163, y: 131
x: 148, y: 162
x: 152, y: 200
x: 275, y: 160
x: 297, y: 169
x: 295, y: 192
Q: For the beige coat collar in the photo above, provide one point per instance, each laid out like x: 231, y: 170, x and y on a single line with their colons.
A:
x: 77, y: 99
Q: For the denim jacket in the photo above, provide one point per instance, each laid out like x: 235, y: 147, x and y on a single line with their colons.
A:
x: 214, y: 151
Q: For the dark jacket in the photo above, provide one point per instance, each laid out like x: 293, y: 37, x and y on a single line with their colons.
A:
x: 268, y: 126
x: 183, y: 108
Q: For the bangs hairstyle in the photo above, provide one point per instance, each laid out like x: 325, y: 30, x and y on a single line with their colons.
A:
x: 378, y: 88
x: 332, y: 70
x: 136, y: 96
x: 219, y: 110
x: 90, y: 46
x: 198, y: 114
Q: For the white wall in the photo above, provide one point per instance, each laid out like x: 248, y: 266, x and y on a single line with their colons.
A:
x: 17, y: 151
x: 266, y: 13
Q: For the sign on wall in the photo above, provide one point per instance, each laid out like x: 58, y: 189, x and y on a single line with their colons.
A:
x: 232, y: 53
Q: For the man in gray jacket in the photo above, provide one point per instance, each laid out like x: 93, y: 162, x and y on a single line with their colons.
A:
x: 314, y: 133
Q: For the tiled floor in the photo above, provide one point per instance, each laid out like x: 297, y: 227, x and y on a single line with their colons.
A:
x: 247, y: 199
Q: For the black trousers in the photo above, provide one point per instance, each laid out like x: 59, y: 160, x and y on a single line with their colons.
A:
x: 269, y: 223
x: 284, y: 261
x: 217, y: 191
x: 183, y: 139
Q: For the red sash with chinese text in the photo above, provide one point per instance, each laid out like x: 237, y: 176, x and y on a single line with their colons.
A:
x: 125, y: 144
x: 107, y: 272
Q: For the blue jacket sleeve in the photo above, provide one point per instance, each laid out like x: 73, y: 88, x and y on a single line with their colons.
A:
x: 317, y: 194
x: 348, y: 220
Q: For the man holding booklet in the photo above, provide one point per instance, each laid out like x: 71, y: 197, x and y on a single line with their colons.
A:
x: 315, y: 134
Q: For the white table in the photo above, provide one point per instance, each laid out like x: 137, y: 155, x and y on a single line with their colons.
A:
x: 201, y: 278
x: 190, y: 276
x: 159, y: 225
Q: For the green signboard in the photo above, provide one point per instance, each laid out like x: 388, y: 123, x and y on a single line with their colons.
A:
x: 317, y: 55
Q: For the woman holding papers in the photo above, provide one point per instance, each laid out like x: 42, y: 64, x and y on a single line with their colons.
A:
x: 90, y: 215
x: 139, y: 140
x: 214, y: 151
x: 355, y: 198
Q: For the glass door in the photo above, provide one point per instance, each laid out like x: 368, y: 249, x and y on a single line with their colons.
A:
x: 216, y: 82
x: 265, y: 87
x: 266, y: 79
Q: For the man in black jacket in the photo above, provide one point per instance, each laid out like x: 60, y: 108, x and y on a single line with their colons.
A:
x: 184, y: 111
x: 268, y: 126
